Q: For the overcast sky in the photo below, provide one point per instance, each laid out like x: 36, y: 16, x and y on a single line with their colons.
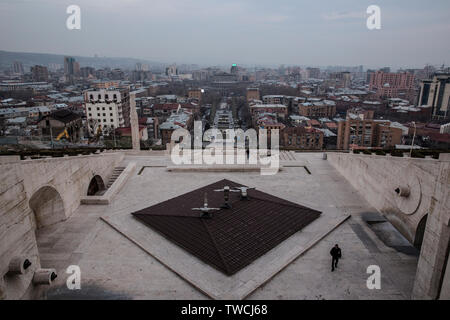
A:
x: 320, y: 32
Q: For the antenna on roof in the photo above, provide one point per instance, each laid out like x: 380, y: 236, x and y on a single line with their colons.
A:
x: 206, y: 211
x: 243, y: 191
x: 226, y: 196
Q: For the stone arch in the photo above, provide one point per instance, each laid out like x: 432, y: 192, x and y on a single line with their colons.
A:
x: 48, y: 206
x: 95, y: 185
x: 420, y: 231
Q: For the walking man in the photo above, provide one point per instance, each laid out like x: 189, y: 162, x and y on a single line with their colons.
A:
x: 336, y: 255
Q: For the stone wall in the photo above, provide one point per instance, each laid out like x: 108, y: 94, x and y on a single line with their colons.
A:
x: 377, y: 178
x: 427, y: 181
x: 36, y: 193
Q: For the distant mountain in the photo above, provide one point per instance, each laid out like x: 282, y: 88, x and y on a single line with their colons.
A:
x: 30, y: 59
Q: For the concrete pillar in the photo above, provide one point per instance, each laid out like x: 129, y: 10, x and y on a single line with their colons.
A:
x: 134, y: 122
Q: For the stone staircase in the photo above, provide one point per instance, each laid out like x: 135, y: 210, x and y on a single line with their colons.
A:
x: 287, y: 155
x: 116, y: 173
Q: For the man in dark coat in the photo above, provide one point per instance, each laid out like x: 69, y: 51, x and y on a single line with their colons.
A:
x: 336, y: 255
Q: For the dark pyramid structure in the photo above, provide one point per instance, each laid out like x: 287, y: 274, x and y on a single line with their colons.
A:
x: 231, y: 238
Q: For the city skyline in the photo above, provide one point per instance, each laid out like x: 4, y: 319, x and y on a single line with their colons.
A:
x: 246, y: 32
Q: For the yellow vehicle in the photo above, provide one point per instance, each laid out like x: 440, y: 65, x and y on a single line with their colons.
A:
x: 62, y: 134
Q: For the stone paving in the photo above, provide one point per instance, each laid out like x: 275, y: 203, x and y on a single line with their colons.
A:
x: 113, y: 267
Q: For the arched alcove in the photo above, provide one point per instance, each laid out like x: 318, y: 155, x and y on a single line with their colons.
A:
x: 95, y: 185
x: 418, y: 239
x: 48, y: 206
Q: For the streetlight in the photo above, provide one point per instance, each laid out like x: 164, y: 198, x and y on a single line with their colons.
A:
x: 414, y: 136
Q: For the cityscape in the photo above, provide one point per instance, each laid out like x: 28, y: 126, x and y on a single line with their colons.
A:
x: 337, y: 108
x: 95, y: 206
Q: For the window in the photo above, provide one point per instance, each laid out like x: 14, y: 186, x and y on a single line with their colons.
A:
x: 90, y: 114
x: 104, y: 114
x: 112, y: 120
x: 89, y: 109
x: 110, y: 108
x: 110, y: 114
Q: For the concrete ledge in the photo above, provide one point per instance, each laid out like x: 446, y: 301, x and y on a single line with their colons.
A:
x: 9, y: 159
x: 113, y: 190
x: 218, y: 168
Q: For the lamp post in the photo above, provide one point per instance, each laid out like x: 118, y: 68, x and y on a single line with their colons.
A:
x: 414, y: 136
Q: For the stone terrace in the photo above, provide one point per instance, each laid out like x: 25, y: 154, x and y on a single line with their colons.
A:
x: 115, y: 265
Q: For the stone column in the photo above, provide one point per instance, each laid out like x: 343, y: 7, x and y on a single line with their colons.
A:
x: 134, y: 123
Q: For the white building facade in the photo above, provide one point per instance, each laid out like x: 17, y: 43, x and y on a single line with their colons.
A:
x: 105, y: 108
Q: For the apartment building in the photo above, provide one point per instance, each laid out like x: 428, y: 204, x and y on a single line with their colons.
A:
x: 390, y: 85
x: 367, y: 133
x: 317, y: 109
x: 301, y: 138
x: 274, y: 99
x: 195, y: 94
x: 253, y: 94
x: 105, y: 84
x: 280, y: 110
x: 108, y: 108
x: 39, y: 73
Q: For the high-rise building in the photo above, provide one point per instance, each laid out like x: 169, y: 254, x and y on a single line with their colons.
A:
x: 39, y: 73
x: 69, y: 66
x: 435, y: 93
x: 369, y: 73
x: 76, y: 68
x: 18, y: 67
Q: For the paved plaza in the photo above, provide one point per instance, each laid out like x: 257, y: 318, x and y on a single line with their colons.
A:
x: 121, y: 258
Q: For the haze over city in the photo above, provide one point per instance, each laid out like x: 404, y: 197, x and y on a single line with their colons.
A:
x: 249, y: 32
